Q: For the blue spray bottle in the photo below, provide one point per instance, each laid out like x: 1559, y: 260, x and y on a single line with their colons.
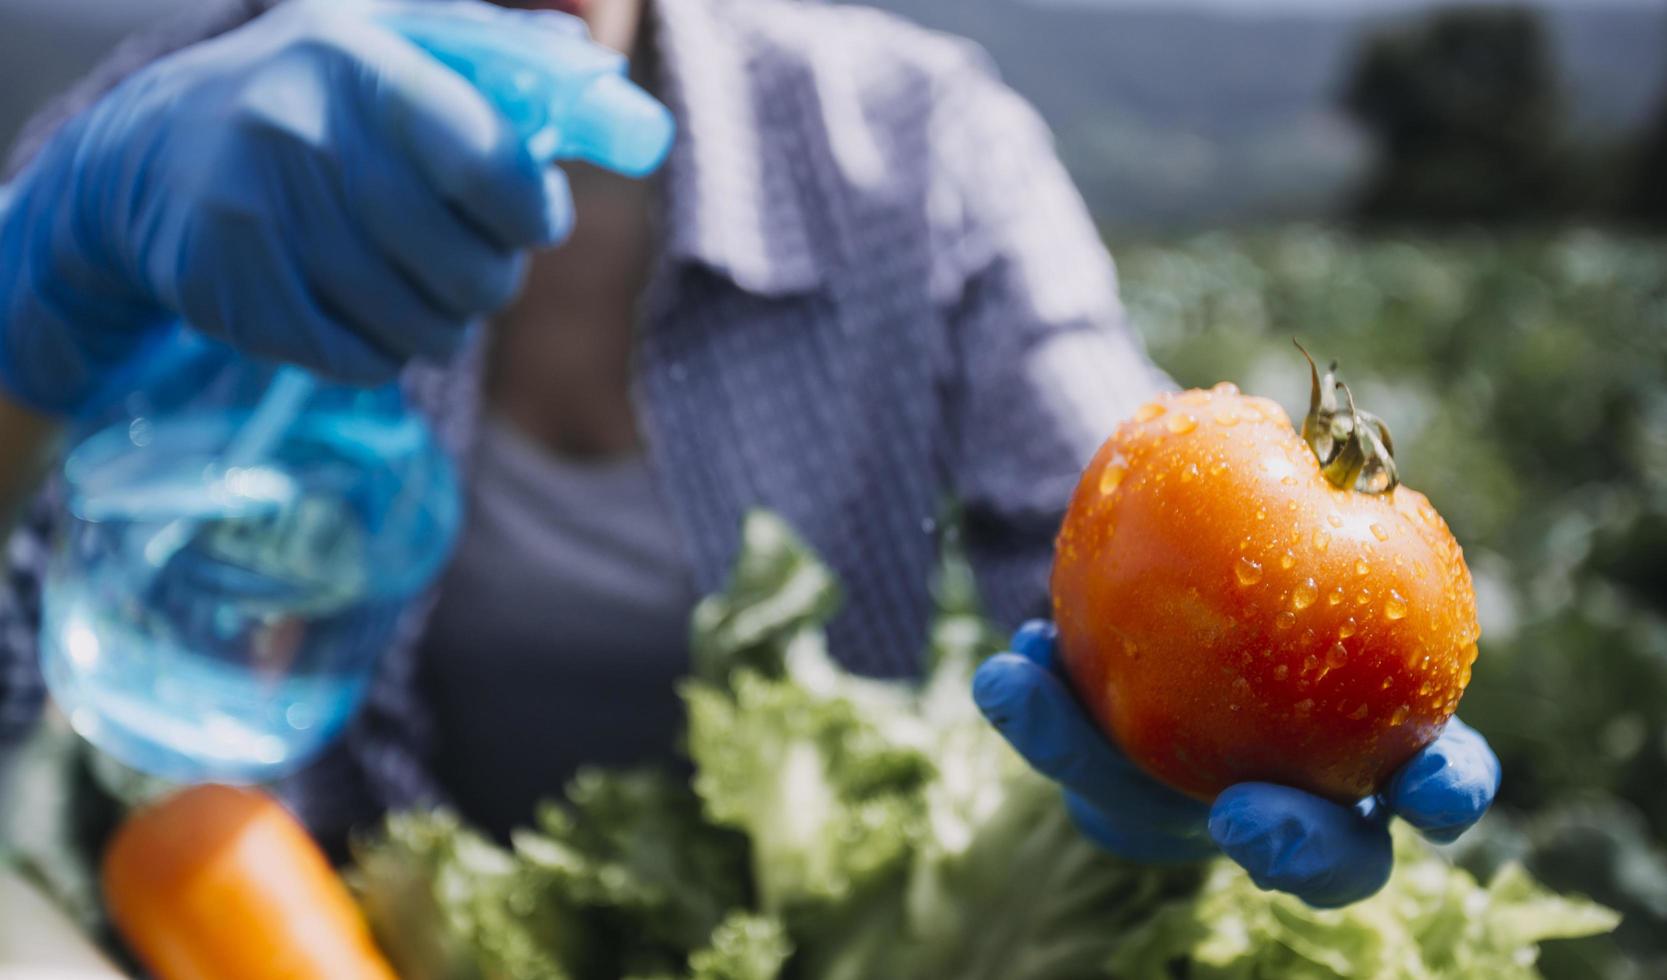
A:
x: 243, y: 539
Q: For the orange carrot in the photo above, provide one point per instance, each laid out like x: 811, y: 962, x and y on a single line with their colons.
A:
x: 216, y: 883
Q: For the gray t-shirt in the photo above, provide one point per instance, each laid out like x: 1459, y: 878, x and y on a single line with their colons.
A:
x: 561, y: 629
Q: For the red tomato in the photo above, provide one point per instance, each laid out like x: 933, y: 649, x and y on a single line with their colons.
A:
x: 1227, y: 613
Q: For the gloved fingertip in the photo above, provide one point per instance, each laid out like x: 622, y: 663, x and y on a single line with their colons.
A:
x: 1037, y: 641
x: 1358, y: 887
x: 1290, y: 841
x: 1036, y: 714
x: 1446, y: 788
x: 1000, y: 683
x: 1238, y: 821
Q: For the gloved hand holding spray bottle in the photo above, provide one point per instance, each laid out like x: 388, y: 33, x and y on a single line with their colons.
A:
x: 319, y: 197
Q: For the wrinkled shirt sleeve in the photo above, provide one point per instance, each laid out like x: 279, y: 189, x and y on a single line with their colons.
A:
x: 1046, y: 364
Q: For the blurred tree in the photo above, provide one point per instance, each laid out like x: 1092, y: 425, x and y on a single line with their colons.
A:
x: 1465, y: 110
x: 1649, y: 193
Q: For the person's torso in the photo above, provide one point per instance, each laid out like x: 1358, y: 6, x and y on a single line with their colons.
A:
x: 560, y: 630
x: 791, y: 350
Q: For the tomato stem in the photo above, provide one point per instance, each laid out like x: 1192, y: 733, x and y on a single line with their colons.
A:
x: 1355, y: 449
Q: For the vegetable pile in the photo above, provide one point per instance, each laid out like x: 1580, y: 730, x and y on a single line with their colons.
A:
x: 838, y: 827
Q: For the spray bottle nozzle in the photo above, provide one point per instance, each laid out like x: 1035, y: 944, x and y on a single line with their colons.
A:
x: 615, y: 124
x: 566, y: 96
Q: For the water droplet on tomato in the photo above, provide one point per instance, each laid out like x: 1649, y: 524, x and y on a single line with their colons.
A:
x: 1322, y: 540
x: 1358, y: 714
x: 1249, y: 572
x: 1334, y: 520
x: 1361, y: 568
x: 1309, y: 663
x: 1224, y: 388
x: 1336, y: 597
x: 1287, y: 560
x: 1400, y: 715
x: 1305, y: 594
x: 1285, y: 620
x: 1304, y: 706
x: 1464, y: 676
x: 1424, y: 688
x: 1395, y: 607
x: 1288, y: 480
x: 1335, y: 656
x: 1388, y: 682
x: 1261, y: 514
x: 1148, y: 412
x: 1218, y: 467
x: 1362, y: 597
x: 1348, y: 628
x: 1281, y: 672
x: 1378, y: 532
x: 1112, y: 476
x: 1227, y: 417
x: 1181, y: 424
x: 1190, y: 473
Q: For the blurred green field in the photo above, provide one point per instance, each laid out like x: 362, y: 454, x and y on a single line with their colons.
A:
x: 1525, y: 380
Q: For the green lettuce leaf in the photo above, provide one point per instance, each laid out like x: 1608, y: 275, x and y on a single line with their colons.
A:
x: 633, y: 848
x: 777, y: 590
x: 894, y: 829
x: 445, y: 903
x: 827, y: 801
x: 743, y: 947
x: 1431, y: 921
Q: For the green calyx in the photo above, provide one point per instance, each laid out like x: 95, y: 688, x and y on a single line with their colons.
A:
x: 1354, y: 447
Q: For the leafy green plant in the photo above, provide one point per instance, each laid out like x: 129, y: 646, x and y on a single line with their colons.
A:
x: 840, y: 828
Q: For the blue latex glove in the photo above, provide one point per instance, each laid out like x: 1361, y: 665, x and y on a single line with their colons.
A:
x: 1288, y: 840
x: 310, y: 188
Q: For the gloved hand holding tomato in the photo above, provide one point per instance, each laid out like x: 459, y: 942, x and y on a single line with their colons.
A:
x: 1259, y: 648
